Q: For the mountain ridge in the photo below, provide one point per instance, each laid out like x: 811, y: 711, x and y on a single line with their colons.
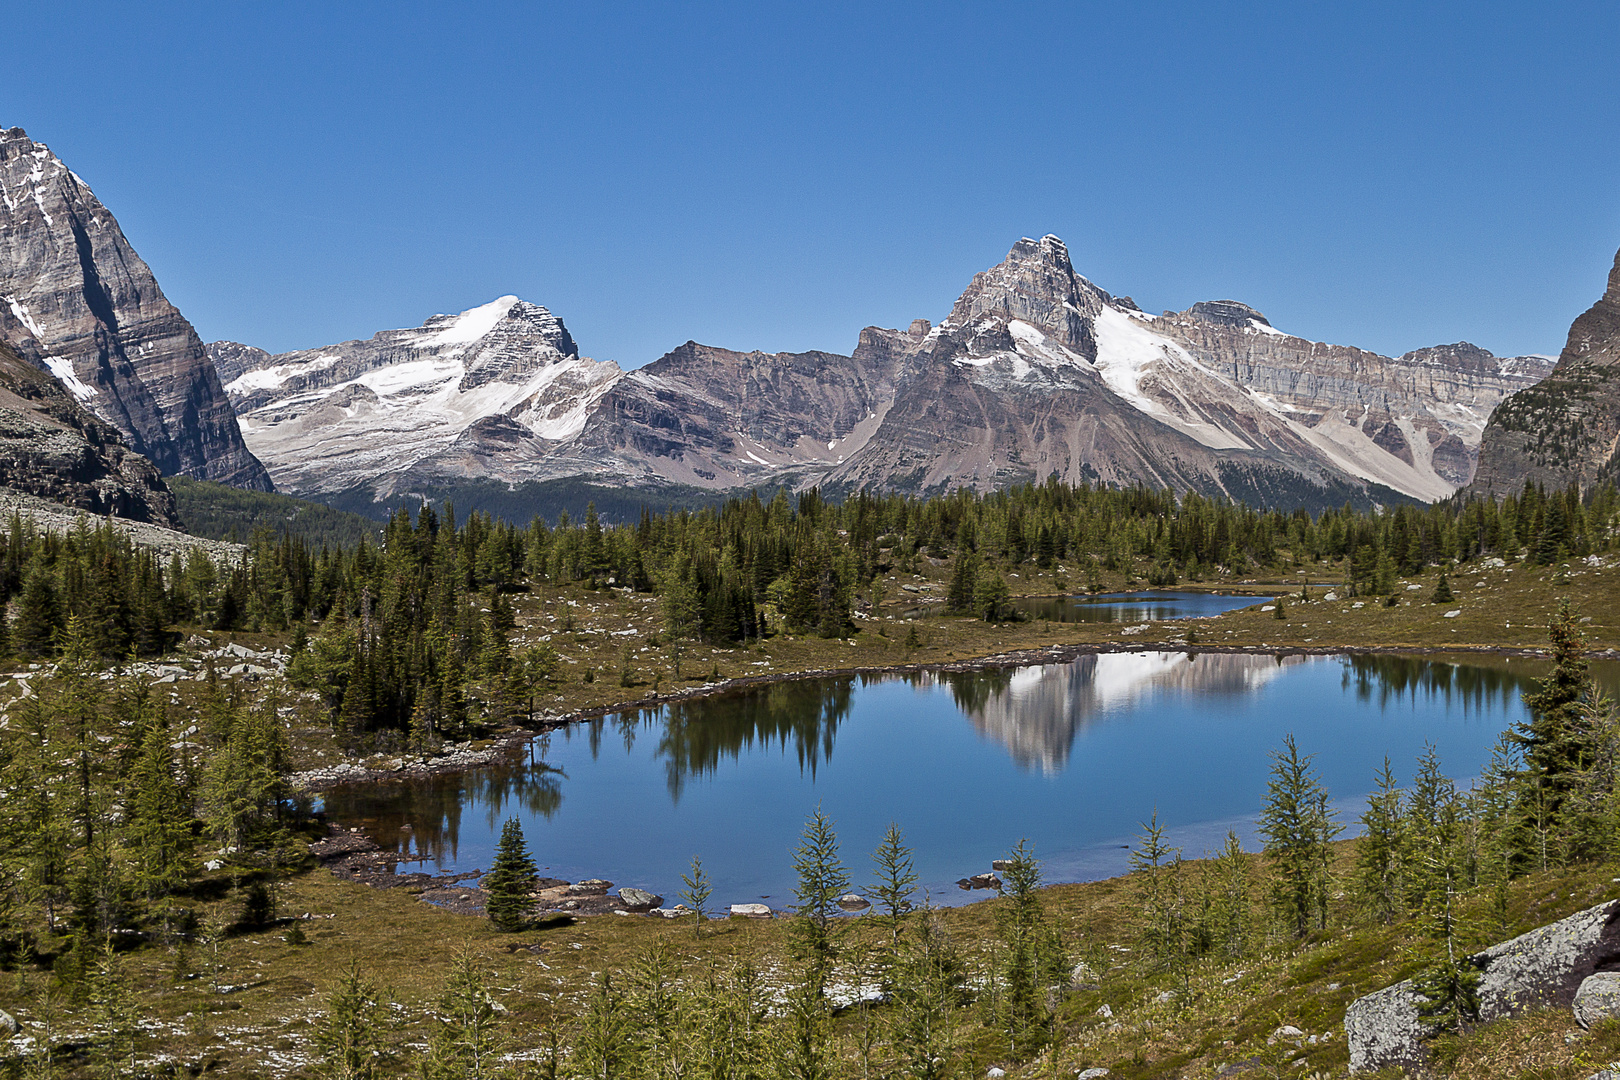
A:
x: 1036, y: 370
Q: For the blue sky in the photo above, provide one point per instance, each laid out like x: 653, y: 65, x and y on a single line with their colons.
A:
x: 776, y: 177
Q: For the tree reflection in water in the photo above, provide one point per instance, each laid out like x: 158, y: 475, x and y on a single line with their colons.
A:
x: 803, y: 714
x: 421, y: 819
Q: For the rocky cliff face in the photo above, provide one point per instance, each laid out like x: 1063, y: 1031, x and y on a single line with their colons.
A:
x: 1565, y: 429
x: 53, y: 448
x: 1035, y: 371
x: 75, y: 299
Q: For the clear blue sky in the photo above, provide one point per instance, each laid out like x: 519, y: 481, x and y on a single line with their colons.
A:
x: 776, y: 177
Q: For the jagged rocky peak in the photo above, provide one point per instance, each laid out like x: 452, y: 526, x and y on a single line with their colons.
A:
x: 232, y: 359
x: 1564, y: 429
x: 1226, y: 313
x: 366, y: 411
x: 76, y: 300
x: 525, y: 338
x: 1036, y: 284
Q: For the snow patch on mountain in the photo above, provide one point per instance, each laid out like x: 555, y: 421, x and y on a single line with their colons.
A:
x: 331, y: 417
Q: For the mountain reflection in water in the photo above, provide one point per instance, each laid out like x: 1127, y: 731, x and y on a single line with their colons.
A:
x: 1076, y: 754
x: 1035, y: 712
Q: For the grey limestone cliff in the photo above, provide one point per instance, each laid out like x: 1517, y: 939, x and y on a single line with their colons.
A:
x: 76, y: 300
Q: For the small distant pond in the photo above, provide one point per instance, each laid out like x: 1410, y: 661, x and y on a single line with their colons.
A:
x: 1073, y: 756
x: 1133, y: 607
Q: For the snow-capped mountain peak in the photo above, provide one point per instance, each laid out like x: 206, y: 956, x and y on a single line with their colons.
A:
x: 331, y: 416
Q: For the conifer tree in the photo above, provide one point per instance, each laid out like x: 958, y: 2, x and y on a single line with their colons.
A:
x: 895, y: 885
x: 1381, y: 852
x: 605, y: 1044
x: 1032, y: 955
x: 696, y: 894
x: 1161, y: 909
x: 351, y: 1039
x: 468, y: 1042
x: 1298, y: 825
x: 511, y: 880
x: 1442, y: 591
x: 822, y: 879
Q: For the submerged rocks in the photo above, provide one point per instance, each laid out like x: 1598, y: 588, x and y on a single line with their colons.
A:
x: 1547, y: 966
x: 980, y: 881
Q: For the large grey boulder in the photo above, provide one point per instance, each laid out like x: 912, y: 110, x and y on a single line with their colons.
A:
x: 8, y: 1023
x: 1541, y: 968
x: 1598, y: 998
x: 639, y: 899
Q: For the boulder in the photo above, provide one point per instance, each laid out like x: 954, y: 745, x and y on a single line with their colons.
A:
x: 852, y: 902
x: 1545, y: 967
x: 671, y: 912
x: 1001, y: 866
x: 752, y: 911
x: 1091, y: 1074
x: 8, y: 1023
x: 1598, y: 998
x: 1082, y: 977
x: 590, y: 887
x: 639, y: 899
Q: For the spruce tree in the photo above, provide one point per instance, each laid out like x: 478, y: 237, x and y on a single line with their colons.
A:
x: 822, y: 879
x: 1442, y: 591
x: 1298, y: 825
x: 510, y: 881
x: 1552, y: 740
x: 351, y: 1039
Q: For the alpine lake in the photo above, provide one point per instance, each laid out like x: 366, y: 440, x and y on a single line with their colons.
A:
x: 1072, y: 757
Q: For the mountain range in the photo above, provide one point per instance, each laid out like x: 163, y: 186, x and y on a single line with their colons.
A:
x: 1035, y: 371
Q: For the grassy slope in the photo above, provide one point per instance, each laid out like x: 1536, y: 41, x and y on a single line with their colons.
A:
x: 1221, y: 1015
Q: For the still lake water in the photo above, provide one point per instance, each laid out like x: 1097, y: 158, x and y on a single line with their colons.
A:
x: 1072, y: 756
x: 1133, y: 607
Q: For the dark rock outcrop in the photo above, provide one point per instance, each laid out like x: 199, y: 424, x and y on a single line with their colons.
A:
x: 53, y: 448
x: 1565, y: 429
x: 76, y: 300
